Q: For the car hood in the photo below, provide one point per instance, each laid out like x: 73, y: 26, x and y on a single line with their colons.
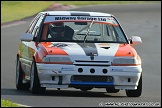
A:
x: 89, y: 51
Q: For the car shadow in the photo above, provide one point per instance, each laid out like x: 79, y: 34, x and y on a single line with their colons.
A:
x: 62, y: 93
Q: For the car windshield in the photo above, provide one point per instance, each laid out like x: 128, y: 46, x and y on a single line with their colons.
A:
x: 94, y: 30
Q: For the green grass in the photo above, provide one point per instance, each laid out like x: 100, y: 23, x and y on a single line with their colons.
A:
x: 83, y: 3
x: 16, y: 10
x: 7, y: 103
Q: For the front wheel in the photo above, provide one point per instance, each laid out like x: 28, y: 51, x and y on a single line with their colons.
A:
x: 34, y: 81
x: 86, y: 88
x: 112, y: 90
x: 137, y: 92
x: 19, y: 77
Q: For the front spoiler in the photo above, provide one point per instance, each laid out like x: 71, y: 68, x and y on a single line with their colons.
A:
x: 59, y: 76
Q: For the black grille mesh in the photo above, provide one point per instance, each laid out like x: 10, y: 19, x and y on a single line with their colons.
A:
x: 89, y: 78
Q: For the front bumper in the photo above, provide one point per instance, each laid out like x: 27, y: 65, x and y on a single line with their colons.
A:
x: 62, y: 76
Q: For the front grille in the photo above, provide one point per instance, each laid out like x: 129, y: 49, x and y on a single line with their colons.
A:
x: 91, y: 63
x: 90, y: 78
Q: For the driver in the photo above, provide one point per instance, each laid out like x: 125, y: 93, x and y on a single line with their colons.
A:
x: 57, y: 29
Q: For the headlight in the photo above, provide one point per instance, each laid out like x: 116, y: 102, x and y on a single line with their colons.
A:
x: 125, y: 62
x: 57, y: 59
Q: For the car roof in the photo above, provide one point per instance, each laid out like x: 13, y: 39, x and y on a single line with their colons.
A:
x: 76, y: 13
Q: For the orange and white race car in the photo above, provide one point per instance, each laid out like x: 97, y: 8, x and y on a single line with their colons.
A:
x: 83, y: 50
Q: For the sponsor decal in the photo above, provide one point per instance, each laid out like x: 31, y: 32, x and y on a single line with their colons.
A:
x: 67, y: 69
x: 60, y: 45
x: 56, y: 72
x: 117, y: 70
x: 92, y: 55
x: 81, y: 18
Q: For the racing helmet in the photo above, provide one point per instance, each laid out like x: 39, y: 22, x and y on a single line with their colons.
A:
x: 56, y: 28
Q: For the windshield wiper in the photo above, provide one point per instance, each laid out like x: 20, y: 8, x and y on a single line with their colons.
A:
x: 88, y: 31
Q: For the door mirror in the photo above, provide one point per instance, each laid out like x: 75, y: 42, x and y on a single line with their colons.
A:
x: 26, y: 37
x: 134, y: 40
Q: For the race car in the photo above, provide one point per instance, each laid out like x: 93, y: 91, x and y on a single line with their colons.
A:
x: 82, y: 50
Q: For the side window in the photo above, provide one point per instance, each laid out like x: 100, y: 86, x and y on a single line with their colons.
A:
x: 32, y: 24
x: 37, y: 26
x: 36, y: 31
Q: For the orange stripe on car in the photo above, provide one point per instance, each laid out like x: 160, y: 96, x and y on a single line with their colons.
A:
x: 53, y: 50
x: 45, y: 50
x: 125, y: 64
x: 125, y: 50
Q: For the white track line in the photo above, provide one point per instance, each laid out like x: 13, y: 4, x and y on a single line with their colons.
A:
x: 13, y: 24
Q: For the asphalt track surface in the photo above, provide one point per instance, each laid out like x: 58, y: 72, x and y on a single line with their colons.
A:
x: 143, y: 20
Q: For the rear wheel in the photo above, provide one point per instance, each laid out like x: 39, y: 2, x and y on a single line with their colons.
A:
x: 137, y: 92
x: 34, y: 81
x: 19, y: 77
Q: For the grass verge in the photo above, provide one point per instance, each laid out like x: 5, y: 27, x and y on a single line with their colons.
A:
x: 14, y: 10
x: 7, y: 103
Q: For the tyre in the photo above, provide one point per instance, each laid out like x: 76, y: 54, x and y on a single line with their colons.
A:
x: 19, y: 77
x: 112, y: 90
x: 34, y: 81
x: 86, y: 88
x: 137, y: 92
